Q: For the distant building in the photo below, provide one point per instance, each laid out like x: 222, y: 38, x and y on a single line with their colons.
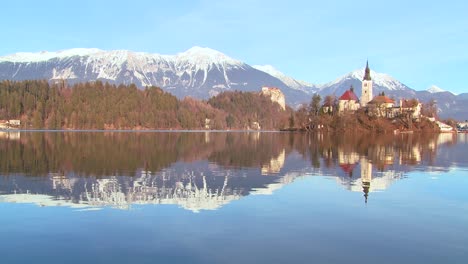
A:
x: 207, y: 123
x: 14, y: 122
x: 275, y: 95
x: 366, y: 95
x: 255, y: 126
x: 462, y: 126
x: 412, y: 107
x: 348, y: 101
x: 381, y: 106
x: 328, y: 108
x: 442, y: 126
x: 383, y: 100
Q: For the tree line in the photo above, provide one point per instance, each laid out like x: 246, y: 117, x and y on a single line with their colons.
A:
x: 97, y: 105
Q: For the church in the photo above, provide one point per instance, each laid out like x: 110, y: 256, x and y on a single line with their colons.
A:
x: 349, y: 102
x: 380, y: 105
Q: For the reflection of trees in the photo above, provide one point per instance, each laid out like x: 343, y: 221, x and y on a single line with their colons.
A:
x: 248, y: 149
x: 382, y: 150
x: 198, y: 170
x: 104, y: 154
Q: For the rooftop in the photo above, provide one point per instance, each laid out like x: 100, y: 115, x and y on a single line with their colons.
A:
x: 349, y: 95
x: 381, y: 99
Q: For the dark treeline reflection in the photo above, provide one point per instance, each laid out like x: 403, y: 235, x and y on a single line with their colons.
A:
x: 115, y: 153
x: 118, y: 153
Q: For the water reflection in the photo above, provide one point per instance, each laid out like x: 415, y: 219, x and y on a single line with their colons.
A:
x: 203, y: 171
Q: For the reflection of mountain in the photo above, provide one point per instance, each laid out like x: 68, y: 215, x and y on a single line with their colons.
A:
x: 195, y: 186
x: 203, y: 171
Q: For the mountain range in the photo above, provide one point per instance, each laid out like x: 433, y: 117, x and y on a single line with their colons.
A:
x: 202, y: 73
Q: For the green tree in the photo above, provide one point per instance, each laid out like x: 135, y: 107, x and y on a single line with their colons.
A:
x: 314, y: 106
x: 291, y: 121
x: 230, y: 121
x: 37, y: 120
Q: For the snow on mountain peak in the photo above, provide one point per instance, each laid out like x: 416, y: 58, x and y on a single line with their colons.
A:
x: 295, y: 84
x: 268, y: 69
x: 435, y: 89
x: 195, y: 55
x: 46, y: 55
x: 196, y: 50
x: 380, y: 79
x: 205, y: 56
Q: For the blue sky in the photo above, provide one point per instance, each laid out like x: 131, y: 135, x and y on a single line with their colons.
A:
x: 418, y: 42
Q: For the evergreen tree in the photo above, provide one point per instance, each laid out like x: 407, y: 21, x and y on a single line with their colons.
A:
x: 314, y: 106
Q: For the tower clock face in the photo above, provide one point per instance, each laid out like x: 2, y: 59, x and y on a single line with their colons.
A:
x: 365, y: 85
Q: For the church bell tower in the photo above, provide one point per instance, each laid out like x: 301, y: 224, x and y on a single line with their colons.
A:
x: 366, y: 92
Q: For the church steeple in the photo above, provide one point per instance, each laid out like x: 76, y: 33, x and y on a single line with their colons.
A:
x: 366, y: 95
x: 367, y: 73
x: 365, y: 190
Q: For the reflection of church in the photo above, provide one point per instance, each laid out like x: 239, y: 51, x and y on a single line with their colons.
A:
x: 366, y: 176
x: 360, y: 177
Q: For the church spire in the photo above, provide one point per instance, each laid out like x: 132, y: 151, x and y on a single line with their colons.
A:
x: 367, y: 73
x: 365, y: 189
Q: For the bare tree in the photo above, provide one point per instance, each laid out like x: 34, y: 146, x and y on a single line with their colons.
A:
x: 429, y: 109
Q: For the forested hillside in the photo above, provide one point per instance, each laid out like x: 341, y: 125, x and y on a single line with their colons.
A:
x: 98, y: 105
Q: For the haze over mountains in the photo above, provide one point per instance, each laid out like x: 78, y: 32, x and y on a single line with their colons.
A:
x: 202, y: 73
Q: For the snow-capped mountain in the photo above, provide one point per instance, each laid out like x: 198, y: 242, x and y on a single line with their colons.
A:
x: 381, y: 83
x: 435, y: 89
x: 289, y: 81
x: 449, y: 104
x: 45, y: 55
x: 197, y: 72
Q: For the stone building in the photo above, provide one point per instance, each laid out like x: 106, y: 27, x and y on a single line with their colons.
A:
x: 275, y: 95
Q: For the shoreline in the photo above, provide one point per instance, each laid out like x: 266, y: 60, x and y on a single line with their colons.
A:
x: 138, y: 130
x: 286, y: 130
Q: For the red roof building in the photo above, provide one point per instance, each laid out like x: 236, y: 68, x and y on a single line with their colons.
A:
x: 349, y: 95
x: 382, y: 99
x: 348, y: 102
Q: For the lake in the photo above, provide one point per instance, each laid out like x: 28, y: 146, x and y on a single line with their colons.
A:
x: 232, y: 197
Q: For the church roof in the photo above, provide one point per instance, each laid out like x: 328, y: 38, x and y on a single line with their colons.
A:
x: 349, y: 95
x: 381, y: 99
x: 348, y: 168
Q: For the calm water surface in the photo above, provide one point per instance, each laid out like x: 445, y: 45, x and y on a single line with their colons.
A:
x: 175, y: 197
